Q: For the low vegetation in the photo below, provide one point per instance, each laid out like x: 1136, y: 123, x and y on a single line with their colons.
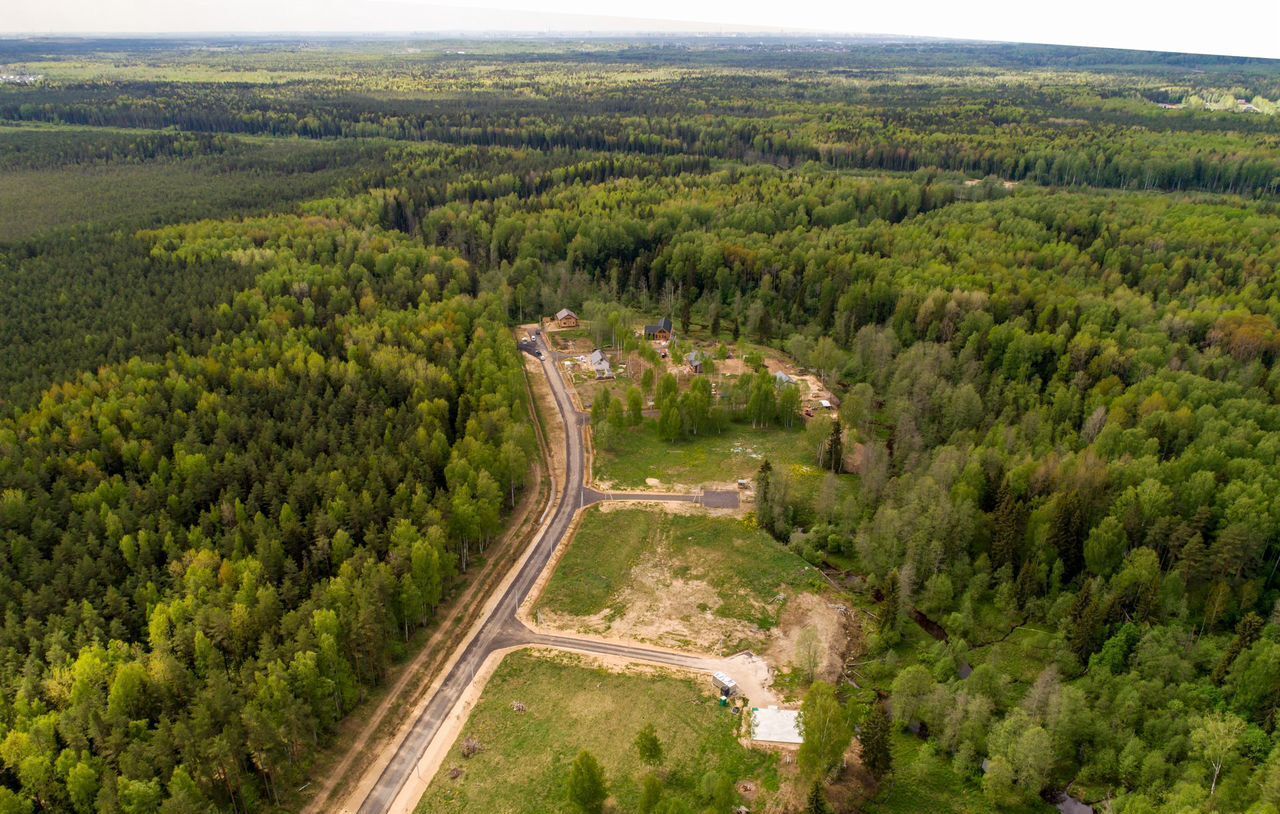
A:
x: 640, y: 455
x: 522, y: 759
x: 924, y: 780
x: 671, y: 576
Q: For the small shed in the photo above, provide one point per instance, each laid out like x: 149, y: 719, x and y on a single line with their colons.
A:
x: 782, y: 378
x: 600, y: 364
x: 566, y: 318
x: 660, y: 332
x: 695, y: 359
x: 824, y: 404
x: 773, y: 725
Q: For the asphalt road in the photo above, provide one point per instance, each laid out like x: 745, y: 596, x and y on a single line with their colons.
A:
x: 502, y: 629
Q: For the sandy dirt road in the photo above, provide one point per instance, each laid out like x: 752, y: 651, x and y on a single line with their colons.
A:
x: 397, y: 778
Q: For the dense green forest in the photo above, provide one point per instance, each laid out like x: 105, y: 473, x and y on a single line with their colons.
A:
x: 212, y: 556
x: 252, y: 434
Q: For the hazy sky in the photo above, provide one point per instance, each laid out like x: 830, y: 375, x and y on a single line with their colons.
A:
x: 1237, y: 27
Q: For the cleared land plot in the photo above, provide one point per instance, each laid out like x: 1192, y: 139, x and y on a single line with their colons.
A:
x: 690, y: 581
x: 639, y: 458
x: 524, y: 757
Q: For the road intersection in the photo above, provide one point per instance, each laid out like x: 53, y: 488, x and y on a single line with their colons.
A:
x: 401, y: 781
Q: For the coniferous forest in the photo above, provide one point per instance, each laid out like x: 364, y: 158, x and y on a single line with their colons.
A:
x: 261, y: 407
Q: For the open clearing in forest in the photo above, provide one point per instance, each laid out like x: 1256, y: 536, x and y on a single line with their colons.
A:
x: 570, y: 705
x: 639, y: 458
x: 693, y: 582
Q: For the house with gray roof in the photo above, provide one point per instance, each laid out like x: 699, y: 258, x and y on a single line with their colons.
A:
x: 600, y: 364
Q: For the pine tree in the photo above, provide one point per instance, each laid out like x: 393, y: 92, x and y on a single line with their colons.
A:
x: 764, y: 501
x: 648, y: 745
x: 650, y: 793
x: 670, y: 422
x: 817, y: 800
x: 1067, y: 531
x: 876, y: 753
x: 1085, y: 625
x: 1009, y: 522
x: 833, y: 450
x: 587, y: 790
x: 892, y: 604
x: 1247, y: 632
x: 1029, y: 584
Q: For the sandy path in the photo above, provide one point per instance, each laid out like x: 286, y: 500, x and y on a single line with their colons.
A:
x: 417, y: 677
x: 404, y: 768
x: 750, y: 672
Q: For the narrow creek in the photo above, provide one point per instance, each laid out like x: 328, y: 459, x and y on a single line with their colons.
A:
x: 1063, y: 801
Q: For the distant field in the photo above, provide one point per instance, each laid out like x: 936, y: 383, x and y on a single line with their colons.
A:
x: 132, y: 194
x: 686, y: 580
x: 925, y: 781
x: 524, y: 756
x: 136, y: 71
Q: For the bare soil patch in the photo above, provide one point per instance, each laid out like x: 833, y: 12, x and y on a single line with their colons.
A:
x: 667, y: 603
x: 810, y: 612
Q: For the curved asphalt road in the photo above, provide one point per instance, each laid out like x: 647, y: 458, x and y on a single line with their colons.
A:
x: 502, y: 629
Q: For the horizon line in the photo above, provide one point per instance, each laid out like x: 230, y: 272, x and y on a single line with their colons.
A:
x: 602, y: 34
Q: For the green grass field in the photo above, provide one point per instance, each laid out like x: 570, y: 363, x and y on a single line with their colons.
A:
x: 599, y: 560
x: 735, y: 453
x: 525, y: 756
x: 923, y: 780
x: 744, y: 566
x: 127, y: 70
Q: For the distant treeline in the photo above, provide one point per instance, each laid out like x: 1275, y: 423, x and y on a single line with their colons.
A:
x: 1055, y: 137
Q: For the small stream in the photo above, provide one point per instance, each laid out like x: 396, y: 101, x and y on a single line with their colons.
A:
x: 1070, y: 805
x: 937, y: 631
x: 1064, y: 802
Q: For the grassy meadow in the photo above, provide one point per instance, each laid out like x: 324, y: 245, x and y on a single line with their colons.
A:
x: 639, y: 454
x: 524, y: 757
x: 629, y: 552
